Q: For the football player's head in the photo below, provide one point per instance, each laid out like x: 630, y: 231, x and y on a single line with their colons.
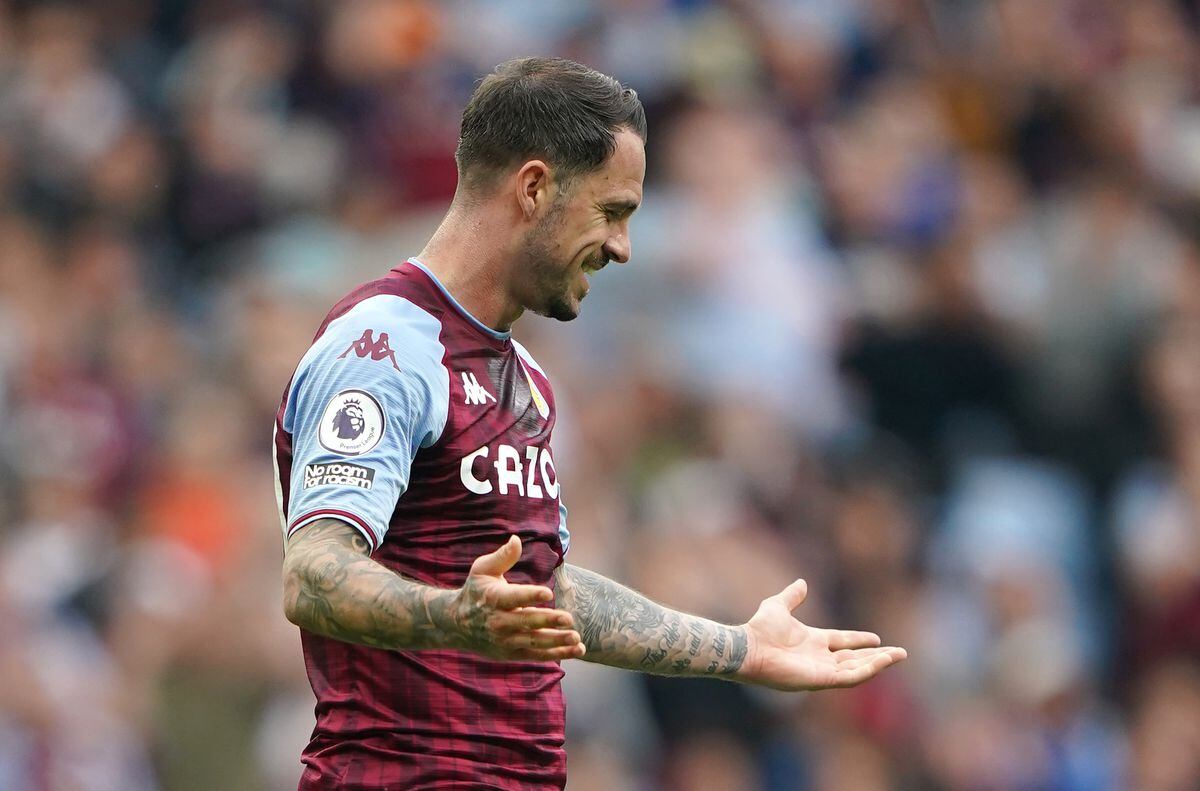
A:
x: 563, y: 146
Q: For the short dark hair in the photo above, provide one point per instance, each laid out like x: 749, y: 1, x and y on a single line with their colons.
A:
x: 549, y: 108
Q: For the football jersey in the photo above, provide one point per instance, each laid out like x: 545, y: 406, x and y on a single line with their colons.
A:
x: 429, y: 432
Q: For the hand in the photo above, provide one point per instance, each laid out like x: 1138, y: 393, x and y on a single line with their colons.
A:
x: 500, y: 619
x: 783, y: 653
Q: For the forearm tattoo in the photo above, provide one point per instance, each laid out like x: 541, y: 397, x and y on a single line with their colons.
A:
x: 333, y: 588
x: 620, y: 627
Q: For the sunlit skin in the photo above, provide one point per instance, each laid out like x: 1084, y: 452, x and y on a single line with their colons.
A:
x: 528, y: 244
x: 583, y: 229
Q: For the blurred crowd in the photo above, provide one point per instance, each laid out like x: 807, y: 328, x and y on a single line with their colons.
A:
x: 913, y: 312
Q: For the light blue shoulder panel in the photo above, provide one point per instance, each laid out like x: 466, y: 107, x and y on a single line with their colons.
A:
x: 365, y: 398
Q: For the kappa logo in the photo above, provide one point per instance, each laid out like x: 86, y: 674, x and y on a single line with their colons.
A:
x: 475, y: 392
x: 368, y: 346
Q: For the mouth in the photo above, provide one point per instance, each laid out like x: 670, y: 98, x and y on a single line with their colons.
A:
x: 588, y: 269
x: 593, y: 267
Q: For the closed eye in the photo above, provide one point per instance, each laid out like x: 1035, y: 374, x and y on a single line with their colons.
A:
x: 619, y: 210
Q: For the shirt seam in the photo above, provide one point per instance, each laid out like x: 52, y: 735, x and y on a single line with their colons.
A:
x: 457, y: 306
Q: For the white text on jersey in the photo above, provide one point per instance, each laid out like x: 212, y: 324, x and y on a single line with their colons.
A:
x: 535, y: 478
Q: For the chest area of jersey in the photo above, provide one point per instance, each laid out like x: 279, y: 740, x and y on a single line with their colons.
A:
x: 498, y: 427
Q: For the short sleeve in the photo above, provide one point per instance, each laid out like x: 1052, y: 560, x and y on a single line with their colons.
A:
x: 564, y: 535
x: 369, y: 394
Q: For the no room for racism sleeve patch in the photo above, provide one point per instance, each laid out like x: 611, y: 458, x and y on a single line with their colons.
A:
x: 352, y: 423
x: 338, y: 473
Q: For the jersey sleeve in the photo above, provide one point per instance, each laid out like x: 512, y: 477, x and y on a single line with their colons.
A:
x: 564, y: 535
x: 369, y: 394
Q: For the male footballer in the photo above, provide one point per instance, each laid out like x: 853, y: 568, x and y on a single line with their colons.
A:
x: 426, y: 534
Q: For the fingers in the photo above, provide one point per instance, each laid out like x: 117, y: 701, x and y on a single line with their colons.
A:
x: 526, y: 619
x: 510, y: 597
x: 865, y: 669
x: 543, y: 645
x: 541, y: 638
x: 495, y: 564
x: 844, y: 638
x: 549, y: 654
x: 846, y: 654
x: 849, y: 660
x: 793, y: 595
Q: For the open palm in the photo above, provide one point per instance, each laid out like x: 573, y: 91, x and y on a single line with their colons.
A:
x: 784, y: 653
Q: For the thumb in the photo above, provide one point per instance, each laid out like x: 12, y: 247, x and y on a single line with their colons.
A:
x: 494, y: 564
x: 793, y: 595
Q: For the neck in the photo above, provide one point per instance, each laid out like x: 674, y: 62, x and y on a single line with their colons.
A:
x: 475, y: 272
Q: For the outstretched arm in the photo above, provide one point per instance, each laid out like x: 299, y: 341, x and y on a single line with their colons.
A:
x: 333, y: 588
x: 622, y: 628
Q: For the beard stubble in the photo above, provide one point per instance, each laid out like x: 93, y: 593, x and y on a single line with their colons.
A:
x: 548, y: 280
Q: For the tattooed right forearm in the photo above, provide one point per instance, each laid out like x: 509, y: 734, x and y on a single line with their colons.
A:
x: 333, y: 588
x: 623, y: 628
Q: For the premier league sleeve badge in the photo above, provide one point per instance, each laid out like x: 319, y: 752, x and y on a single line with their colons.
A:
x: 352, y: 424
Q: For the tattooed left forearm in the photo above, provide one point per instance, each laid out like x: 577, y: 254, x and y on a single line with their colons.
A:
x: 622, y: 628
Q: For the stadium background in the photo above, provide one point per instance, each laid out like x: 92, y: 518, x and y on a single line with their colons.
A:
x: 914, y: 312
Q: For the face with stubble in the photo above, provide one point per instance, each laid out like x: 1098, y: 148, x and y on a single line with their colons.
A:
x: 585, y: 226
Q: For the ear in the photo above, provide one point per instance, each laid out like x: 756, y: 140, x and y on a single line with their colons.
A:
x: 533, y: 188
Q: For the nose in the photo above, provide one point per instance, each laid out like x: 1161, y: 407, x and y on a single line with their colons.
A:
x: 617, y: 247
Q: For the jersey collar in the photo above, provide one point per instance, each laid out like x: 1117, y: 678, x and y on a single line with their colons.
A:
x: 466, y: 314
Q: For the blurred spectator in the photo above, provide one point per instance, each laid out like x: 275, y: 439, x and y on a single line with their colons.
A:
x: 913, y: 312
